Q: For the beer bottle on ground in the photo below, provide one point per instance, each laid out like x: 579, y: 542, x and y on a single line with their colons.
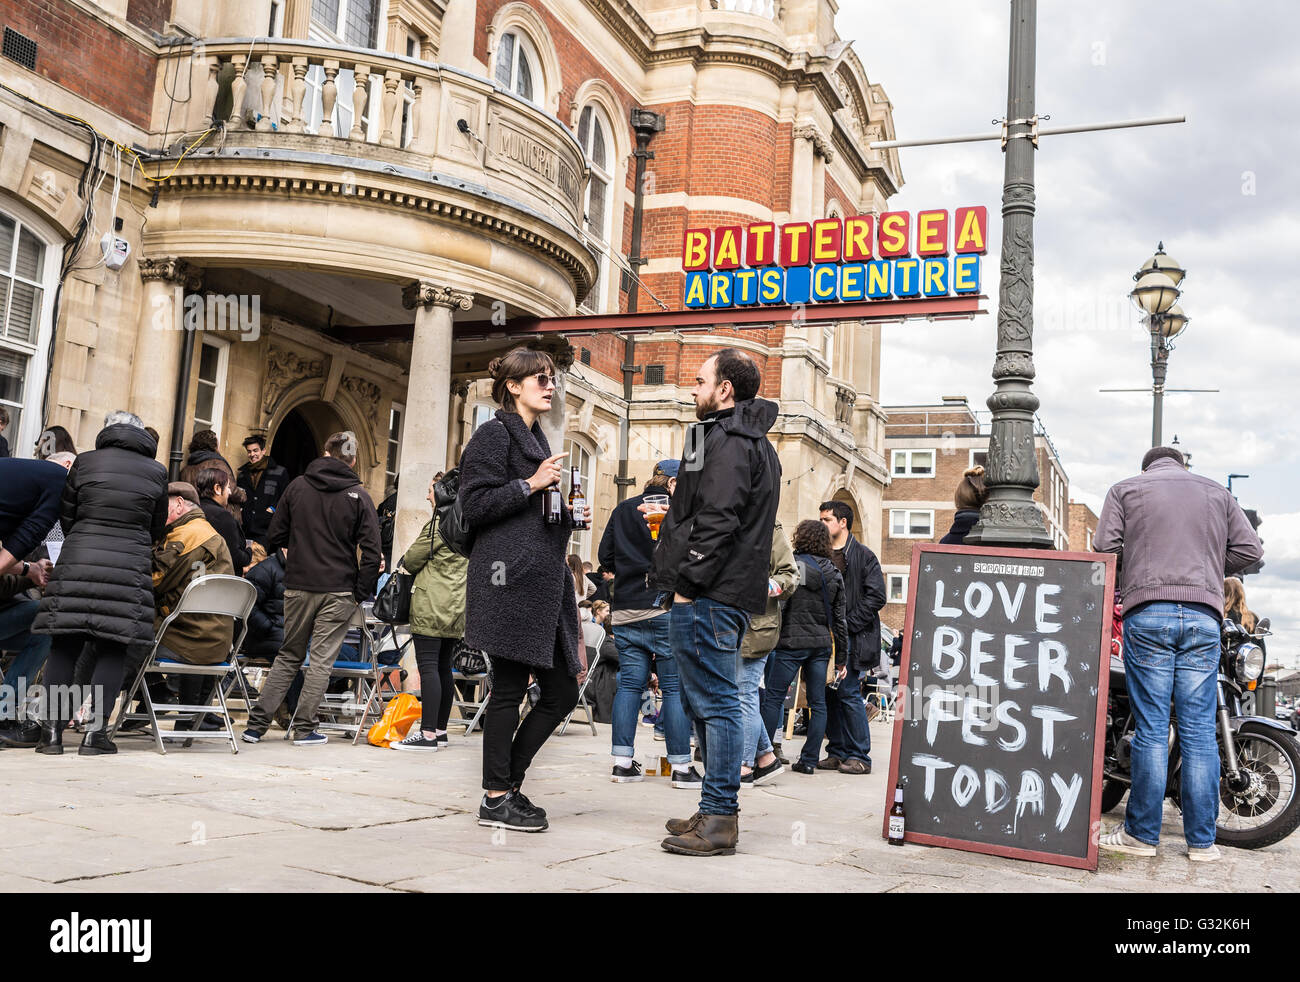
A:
x: 897, y: 818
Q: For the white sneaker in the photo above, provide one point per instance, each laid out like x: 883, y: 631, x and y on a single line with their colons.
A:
x: 1118, y: 840
x: 1204, y: 854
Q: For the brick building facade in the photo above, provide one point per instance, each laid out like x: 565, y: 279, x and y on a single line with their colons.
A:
x: 1083, y: 526
x: 929, y: 449
x: 378, y: 174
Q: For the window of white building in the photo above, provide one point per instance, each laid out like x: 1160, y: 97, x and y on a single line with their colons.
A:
x: 351, y: 21
x: 911, y: 524
x: 896, y: 584
x: 28, y: 271
x: 210, y: 389
x: 912, y: 463
x: 583, y: 459
x: 393, y: 460
x: 594, y: 134
x: 517, y: 67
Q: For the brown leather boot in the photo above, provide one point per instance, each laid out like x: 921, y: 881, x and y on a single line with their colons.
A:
x: 713, y: 835
x: 680, y: 826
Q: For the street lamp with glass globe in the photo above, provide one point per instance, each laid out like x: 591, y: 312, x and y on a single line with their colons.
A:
x: 1156, y: 295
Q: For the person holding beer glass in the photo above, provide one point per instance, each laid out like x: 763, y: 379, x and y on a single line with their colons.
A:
x: 520, y: 603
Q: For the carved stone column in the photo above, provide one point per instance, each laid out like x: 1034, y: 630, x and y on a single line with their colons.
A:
x: 428, y: 402
x: 159, y: 333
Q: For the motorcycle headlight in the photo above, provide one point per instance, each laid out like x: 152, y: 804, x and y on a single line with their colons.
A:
x: 1250, y: 662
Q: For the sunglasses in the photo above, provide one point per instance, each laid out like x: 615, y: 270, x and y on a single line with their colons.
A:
x: 545, y: 381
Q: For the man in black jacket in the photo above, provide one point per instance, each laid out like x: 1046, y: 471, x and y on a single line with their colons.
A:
x: 213, y: 486
x: 848, y: 737
x: 324, y: 517
x: 641, y: 633
x: 712, y: 562
x: 263, y: 482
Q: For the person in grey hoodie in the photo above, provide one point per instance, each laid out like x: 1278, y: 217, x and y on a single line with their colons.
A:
x: 1175, y: 535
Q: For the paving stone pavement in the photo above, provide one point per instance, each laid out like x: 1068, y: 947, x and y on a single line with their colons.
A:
x: 340, y: 818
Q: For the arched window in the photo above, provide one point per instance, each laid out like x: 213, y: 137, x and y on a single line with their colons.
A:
x: 28, y: 272
x: 517, y: 66
x: 595, y: 135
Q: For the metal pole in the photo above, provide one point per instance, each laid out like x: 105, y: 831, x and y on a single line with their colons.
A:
x: 646, y: 124
x: 1159, y: 367
x: 1122, y: 124
x: 1009, y: 516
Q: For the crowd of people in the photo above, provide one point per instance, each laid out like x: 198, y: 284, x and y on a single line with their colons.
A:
x: 714, y: 613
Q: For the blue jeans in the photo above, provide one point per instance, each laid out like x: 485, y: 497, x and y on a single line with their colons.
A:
x: 847, y: 735
x: 706, y: 643
x: 1171, y: 651
x: 15, y: 633
x: 785, y: 666
x: 636, y: 643
x: 757, y: 740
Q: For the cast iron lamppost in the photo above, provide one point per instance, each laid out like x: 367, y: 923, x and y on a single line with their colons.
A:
x: 1010, y: 516
x: 1156, y: 294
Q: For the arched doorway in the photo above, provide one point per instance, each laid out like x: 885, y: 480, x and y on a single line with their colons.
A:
x: 302, y: 433
x: 843, y: 495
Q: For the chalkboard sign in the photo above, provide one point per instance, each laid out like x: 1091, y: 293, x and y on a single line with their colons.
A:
x: 1002, y: 699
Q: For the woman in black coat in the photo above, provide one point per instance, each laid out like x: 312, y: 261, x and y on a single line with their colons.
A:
x: 114, y: 507
x: 813, y: 619
x: 520, y: 604
x: 968, y: 498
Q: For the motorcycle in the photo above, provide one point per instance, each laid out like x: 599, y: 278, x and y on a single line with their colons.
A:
x: 1259, y: 758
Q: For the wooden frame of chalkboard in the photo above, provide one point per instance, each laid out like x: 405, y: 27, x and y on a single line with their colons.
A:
x: 1103, y: 601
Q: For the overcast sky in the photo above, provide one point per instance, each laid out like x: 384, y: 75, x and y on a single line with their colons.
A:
x: 1220, y: 190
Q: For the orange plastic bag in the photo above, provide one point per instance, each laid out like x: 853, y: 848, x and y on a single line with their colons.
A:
x: 400, y: 714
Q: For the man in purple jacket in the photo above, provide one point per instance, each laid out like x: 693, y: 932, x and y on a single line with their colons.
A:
x: 1176, y: 535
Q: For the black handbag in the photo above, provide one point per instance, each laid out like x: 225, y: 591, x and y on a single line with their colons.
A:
x: 393, y: 602
x: 468, y: 661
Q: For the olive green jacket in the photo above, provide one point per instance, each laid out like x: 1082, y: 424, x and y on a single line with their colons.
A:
x: 765, y: 628
x: 438, y: 593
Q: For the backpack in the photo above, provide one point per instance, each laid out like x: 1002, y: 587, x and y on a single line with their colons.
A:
x: 452, y: 527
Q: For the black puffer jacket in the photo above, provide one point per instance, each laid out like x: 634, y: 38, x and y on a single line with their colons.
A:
x: 520, y: 603
x: 114, y: 508
x: 266, y: 619
x: 716, y: 540
x: 803, y: 623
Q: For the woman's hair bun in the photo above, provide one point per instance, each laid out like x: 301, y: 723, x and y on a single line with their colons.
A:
x: 976, y: 471
x: 494, y: 367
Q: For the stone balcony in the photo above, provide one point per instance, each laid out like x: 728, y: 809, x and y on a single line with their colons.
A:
x: 313, y: 121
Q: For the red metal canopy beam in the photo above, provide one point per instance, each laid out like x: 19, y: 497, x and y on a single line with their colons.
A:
x: 703, y: 319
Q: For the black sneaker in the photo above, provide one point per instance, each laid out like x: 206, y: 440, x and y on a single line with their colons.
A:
x: 528, y: 805
x: 415, y: 740
x: 762, y: 775
x: 252, y: 735
x: 799, y: 767
x: 510, y: 813
x: 627, y: 775
x: 442, y: 740
x: 688, y: 779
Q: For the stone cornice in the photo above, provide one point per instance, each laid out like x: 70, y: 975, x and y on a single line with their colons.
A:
x: 626, y: 24
x: 206, y: 176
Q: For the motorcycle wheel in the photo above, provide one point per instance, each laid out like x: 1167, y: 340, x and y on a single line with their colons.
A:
x: 1269, y: 810
x: 1112, y: 793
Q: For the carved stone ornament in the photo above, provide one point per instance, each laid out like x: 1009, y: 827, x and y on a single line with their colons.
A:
x: 422, y: 293
x: 460, y: 388
x: 1011, y: 514
x: 1014, y: 364
x: 283, y: 369
x: 821, y: 145
x: 1015, y: 461
x: 367, y: 395
x: 169, y: 269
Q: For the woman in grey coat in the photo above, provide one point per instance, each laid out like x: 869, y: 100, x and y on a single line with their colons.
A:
x: 520, y: 605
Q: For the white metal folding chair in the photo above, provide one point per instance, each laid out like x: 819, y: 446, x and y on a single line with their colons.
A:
x: 471, y: 709
x: 593, y: 636
x: 216, y: 593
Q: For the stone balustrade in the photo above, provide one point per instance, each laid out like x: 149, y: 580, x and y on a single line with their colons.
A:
x: 759, y: 8
x: 357, y: 102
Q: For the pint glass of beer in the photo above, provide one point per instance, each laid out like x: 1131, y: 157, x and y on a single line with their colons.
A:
x: 656, y: 507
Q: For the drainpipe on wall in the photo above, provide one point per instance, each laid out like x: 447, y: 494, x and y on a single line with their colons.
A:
x: 646, y: 124
x: 177, y: 457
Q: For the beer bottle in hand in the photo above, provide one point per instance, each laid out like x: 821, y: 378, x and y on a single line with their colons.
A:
x: 897, y: 818
x: 553, y: 505
x: 577, y: 500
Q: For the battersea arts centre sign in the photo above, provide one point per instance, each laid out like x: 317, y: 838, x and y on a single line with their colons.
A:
x: 895, y: 256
